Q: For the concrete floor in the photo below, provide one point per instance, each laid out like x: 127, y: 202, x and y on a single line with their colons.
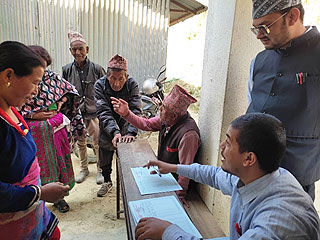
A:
x: 90, y: 217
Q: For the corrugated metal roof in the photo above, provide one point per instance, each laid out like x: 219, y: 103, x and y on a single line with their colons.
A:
x: 182, y: 9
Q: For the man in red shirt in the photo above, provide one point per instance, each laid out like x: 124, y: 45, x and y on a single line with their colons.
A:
x: 179, y: 136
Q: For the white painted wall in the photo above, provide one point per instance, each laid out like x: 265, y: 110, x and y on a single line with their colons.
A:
x: 229, y: 48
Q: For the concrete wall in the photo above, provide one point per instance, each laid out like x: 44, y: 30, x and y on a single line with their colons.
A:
x: 229, y: 48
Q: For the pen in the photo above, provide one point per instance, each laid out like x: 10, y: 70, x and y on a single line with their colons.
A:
x: 238, y: 229
x: 157, y: 171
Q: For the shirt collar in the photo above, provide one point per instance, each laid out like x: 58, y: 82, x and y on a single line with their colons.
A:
x: 311, y: 34
x: 252, y: 190
x: 86, y: 61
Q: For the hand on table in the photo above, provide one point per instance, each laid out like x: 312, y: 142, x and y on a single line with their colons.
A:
x: 150, y: 228
x: 54, y: 191
x: 115, y: 139
x: 127, y: 139
x: 120, y: 106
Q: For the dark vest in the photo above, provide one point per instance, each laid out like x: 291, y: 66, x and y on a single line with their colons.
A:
x: 169, y: 143
x: 279, y: 90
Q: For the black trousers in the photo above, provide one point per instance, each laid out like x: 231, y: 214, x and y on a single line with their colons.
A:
x: 105, y: 161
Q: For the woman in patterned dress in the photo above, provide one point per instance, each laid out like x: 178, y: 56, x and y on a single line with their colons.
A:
x: 49, y: 114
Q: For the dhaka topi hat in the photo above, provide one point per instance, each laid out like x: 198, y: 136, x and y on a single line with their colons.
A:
x: 76, y: 36
x: 178, y: 100
x: 119, y: 62
x: 265, y: 7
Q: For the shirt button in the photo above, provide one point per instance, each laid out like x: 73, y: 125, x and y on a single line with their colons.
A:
x: 272, y: 94
x: 279, y: 74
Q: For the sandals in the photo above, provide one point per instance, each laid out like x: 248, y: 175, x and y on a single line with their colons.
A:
x: 62, y: 206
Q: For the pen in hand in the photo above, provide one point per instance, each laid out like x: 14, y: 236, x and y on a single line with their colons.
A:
x: 157, y: 171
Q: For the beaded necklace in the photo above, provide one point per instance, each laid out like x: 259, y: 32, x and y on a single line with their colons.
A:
x: 6, y: 117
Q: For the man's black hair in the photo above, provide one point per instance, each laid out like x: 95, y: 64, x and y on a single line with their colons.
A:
x: 299, y: 6
x: 109, y: 70
x: 264, y: 135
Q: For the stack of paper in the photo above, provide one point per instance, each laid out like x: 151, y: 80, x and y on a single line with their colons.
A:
x: 166, y: 208
x: 154, y: 183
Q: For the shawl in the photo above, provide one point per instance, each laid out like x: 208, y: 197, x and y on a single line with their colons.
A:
x: 51, y: 89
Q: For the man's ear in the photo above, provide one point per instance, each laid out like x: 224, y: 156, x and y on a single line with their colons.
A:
x: 87, y: 49
x: 293, y: 16
x: 251, y: 159
x: 8, y: 73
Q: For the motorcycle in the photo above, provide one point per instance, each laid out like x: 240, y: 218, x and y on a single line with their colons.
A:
x: 152, y: 94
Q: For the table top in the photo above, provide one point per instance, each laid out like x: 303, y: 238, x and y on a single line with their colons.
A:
x: 137, y: 154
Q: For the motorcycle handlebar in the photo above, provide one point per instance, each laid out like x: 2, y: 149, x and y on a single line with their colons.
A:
x: 162, y: 70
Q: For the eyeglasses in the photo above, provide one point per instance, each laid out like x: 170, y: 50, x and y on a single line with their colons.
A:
x: 264, y: 29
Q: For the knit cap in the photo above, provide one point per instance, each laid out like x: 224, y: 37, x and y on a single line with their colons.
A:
x: 265, y: 7
x: 178, y: 100
x: 76, y: 36
x: 119, y: 62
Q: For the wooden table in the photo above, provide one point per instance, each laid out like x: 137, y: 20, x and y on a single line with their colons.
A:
x: 137, y: 154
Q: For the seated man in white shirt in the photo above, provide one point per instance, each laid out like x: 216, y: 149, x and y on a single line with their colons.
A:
x: 267, y: 201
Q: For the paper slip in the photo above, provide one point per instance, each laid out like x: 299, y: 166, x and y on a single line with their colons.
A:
x: 166, y: 208
x: 153, y: 183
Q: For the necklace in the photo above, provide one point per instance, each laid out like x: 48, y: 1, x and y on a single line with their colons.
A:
x: 6, y: 117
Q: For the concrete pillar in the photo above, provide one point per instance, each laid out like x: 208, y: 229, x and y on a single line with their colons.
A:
x: 229, y: 49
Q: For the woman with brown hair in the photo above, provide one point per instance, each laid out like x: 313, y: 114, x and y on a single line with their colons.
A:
x: 49, y: 114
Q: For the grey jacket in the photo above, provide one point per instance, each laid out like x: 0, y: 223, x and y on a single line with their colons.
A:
x: 71, y: 74
x: 110, y: 122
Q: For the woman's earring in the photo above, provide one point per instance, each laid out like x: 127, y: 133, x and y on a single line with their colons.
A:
x: 8, y: 84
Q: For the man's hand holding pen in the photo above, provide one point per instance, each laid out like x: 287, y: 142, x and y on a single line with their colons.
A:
x: 157, y: 171
x: 162, y: 167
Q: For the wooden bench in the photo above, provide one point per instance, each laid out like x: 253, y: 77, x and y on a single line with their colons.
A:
x: 137, y: 154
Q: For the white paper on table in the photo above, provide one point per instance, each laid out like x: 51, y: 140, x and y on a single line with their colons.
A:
x: 153, y: 183
x: 166, y: 208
